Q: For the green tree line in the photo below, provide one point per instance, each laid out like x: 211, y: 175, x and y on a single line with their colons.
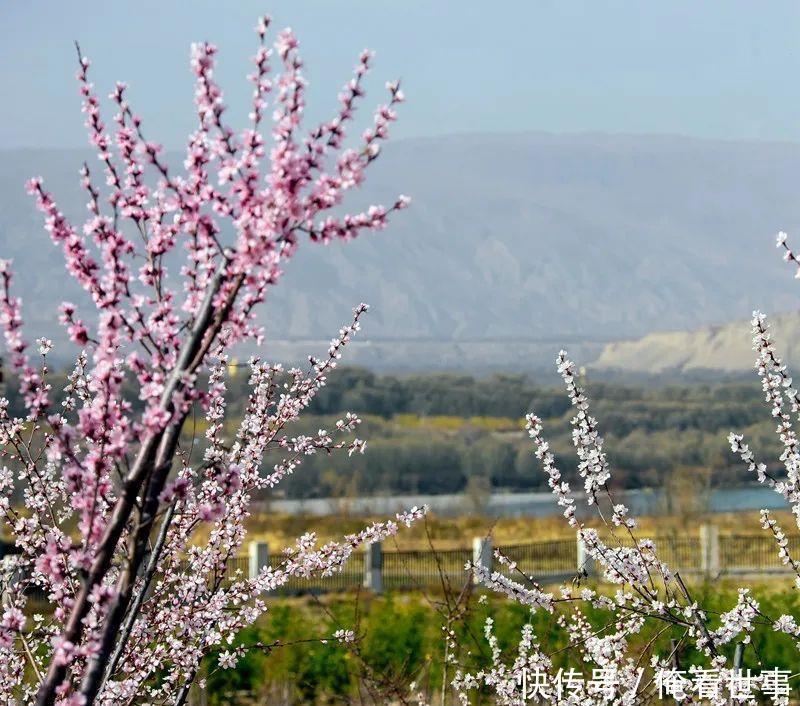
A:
x: 447, y: 433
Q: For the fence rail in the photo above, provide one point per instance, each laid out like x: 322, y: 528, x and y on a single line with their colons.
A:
x: 709, y: 554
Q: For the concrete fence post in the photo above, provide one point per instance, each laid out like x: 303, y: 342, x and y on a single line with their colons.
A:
x: 585, y: 561
x: 9, y: 577
x: 259, y: 558
x: 482, y: 554
x: 2, y: 569
x: 709, y: 550
x: 373, y: 567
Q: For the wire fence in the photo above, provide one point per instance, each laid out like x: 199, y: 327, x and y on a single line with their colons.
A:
x: 682, y: 553
x: 755, y: 553
x: 350, y: 577
x: 543, y: 558
x: 412, y: 569
x: 552, y: 560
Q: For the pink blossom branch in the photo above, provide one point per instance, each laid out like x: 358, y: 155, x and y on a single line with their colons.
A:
x: 143, y: 329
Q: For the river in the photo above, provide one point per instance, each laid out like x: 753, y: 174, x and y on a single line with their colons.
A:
x: 535, y: 504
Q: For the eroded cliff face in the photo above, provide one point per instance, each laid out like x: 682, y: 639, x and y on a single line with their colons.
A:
x: 724, y: 349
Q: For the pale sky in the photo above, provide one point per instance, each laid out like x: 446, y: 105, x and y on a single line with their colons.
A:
x: 725, y: 69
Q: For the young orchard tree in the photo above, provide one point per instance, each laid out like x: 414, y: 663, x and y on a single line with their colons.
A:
x: 111, y: 499
x: 647, y: 590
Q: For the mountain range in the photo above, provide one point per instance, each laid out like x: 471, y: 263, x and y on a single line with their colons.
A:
x: 514, y: 245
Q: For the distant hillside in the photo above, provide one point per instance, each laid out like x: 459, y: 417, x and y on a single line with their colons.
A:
x: 523, y: 237
x: 718, y: 349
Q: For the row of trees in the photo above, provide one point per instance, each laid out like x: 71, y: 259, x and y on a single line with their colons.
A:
x: 702, y: 406
x: 430, y: 463
x: 653, y: 433
x: 422, y: 440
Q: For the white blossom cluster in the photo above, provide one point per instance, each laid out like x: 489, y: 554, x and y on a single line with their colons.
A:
x: 648, y: 589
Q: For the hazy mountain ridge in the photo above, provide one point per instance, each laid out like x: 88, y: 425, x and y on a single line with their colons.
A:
x: 520, y: 237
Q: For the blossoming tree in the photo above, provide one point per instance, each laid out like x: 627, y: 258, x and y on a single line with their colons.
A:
x: 112, y: 500
x: 647, y: 589
x: 111, y: 497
